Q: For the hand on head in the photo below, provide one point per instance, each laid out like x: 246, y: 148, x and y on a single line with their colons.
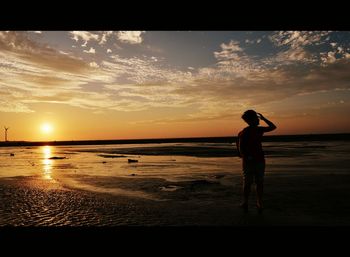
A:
x: 260, y: 116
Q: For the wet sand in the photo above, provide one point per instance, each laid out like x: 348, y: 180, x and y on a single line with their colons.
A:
x: 290, y: 200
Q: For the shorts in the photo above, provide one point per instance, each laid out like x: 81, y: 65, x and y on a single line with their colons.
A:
x: 253, y: 171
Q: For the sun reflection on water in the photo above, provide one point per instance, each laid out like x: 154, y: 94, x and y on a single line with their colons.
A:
x: 47, y: 163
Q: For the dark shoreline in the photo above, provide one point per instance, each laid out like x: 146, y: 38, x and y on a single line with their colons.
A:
x: 277, y: 138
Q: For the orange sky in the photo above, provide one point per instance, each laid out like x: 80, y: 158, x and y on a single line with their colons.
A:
x: 79, y: 126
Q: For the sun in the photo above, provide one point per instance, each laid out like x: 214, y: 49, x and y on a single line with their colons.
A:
x: 46, y: 128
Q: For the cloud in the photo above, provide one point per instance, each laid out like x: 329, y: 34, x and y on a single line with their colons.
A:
x: 291, y: 55
x: 296, y: 43
x: 105, y: 36
x: 130, y: 37
x: 329, y: 57
x: 34, y: 73
x: 337, y: 53
x: 296, y: 39
x: 18, y: 50
x: 91, y: 51
x: 232, y: 62
x: 83, y: 35
x: 94, y: 65
x: 253, y: 41
x: 141, y: 70
x: 229, y: 51
x: 31, y: 72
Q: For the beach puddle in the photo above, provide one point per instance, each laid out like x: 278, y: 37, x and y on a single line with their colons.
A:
x: 75, y: 184
x: 111, y: 156
x: 170, y: 188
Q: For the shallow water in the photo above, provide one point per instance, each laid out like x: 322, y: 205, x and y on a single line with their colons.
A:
x: 94, y: 168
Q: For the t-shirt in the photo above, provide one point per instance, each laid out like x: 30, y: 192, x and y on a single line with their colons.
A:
x: 249, y: 144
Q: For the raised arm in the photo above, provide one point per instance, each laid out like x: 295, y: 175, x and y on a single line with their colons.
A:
x: 270, y: 127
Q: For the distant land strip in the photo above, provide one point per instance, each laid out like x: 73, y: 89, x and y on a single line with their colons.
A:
x: 276, y: 138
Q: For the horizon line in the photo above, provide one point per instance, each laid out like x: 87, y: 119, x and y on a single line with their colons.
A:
x: 171, y: 138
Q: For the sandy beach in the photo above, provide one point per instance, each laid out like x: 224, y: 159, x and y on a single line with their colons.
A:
x: 292, y: 200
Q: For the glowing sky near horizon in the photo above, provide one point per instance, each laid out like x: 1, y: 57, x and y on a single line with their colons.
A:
x: 160, y: 84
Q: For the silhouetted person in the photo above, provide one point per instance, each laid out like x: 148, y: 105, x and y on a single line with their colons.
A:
x: 253, y: 159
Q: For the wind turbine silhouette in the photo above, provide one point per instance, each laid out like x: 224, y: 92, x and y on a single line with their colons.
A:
x: 6, y: 129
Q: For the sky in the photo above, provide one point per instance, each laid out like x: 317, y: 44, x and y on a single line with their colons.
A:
x: 88, y: 85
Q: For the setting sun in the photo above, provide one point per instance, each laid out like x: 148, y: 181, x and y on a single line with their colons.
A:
x: 46, y: 128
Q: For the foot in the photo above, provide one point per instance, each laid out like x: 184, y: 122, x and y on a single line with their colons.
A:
x: 244, y: 206
x: 260, y: 207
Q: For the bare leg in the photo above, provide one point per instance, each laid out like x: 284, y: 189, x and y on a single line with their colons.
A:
x: 259, y: 193
x: 246, y: 192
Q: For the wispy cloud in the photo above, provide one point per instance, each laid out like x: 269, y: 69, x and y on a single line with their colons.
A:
x: 30, y: 70
x: 131, y: 37
x: 296, y: 43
